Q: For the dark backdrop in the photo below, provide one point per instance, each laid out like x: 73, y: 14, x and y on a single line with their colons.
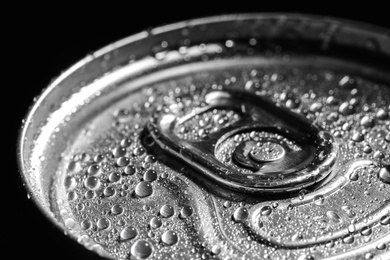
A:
x: 45, y: 40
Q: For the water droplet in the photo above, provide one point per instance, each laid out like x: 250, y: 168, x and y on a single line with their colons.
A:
x: 296, y: 237
x: 130, y: 170
x: 70, y: 183
x: 128, y: 232
x: 94, y: 169
x: 367, y: 121
x: 150, y: 175
x: 266, y: 210
x: 150, y: 159
x: 122, y: 161
x: 114, y: 177
x: 357, y: 137
x: 227, y: 204
x: 306, y: 257
x: 70, y: 223
x: 315, y: 107
x: 155, y: 222
x: 90, y: 194
x: 378, y: 155
x: 103, y: 223
x: 139, y: 151
x: 186, y: 211
x: 86, y: 224
x: 216, y: 250
x: 381, y: 246
x: 382, y: 114
x: 266, y: 152
x: 141, y: 249
x: 167, y: 211
x: 143, y: 189
x: 387, y: 137
x: 354, y: 176
x: 351, y: 228
x: 240, y: 214
x: 331, y: 100
x: 349, y: 239
x: 319, y: 200
x: 333, y: 216
x: 366, y: 231
x: 385, y: 220
x: 384, y: 174
x: 346, y: 109
x: 117, y: 209
x: 293, y: 103
x: 169, y: 238
x: 369, y: 256
x: 347, y: 82
x: 72, y: 196
x: 92, y: 183
x: 109, y: 191
x: 119, y: 151
x: 125, y: 142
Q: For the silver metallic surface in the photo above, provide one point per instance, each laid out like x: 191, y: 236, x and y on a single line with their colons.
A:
x: 232, y: 137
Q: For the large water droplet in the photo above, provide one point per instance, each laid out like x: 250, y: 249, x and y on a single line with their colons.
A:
x: 122, y: 161
x: 150, y: 175
x: 186, y: 212
x: 70, y: 183
x: 319, y: 200
x: 128, y: 233
x: 130, y: 170
x: 119, y: 151
x: 117, y: 209
x: 240, y: 214
x: 384, y: 174
x: 141, y: 249
x: 381, y: 246
x: 385, y: 220
x: 266, y: 210
x: 349, y: 239
x: 347, y: 82
x: 169, y: 238
x: 103, y: 223
x: 92, y: 183
x: 346, y: 109
x: 366, y: 231
x: 167, y: 211
x: 143, y: 189
x: 94, y: 169
x: 333, y: 216
x: 155, y: 222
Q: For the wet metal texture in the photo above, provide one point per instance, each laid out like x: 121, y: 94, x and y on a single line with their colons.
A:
x: 234, y: 137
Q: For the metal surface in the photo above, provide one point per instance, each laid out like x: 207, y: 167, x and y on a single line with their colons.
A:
x: 233, y: 137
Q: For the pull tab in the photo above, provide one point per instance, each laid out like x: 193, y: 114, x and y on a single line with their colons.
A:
x: 247, y: 143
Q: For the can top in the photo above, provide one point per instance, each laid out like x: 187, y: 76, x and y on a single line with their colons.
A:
x: 258, y: 130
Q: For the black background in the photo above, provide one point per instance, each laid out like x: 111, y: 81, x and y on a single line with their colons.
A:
x: 45, y: 40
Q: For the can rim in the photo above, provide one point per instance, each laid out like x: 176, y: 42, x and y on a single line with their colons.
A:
x: 208, y: 20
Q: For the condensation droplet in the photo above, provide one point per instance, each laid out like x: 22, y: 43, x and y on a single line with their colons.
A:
x: 143, y: 189
x: 155, y: 222
x: 384, y: 174
x: 128, y: 233
x: 141, y: 249
x: 167, y: 211
x: 333, y: 216
x: 150, y: 175
x: 240, y: 214
x: 186, y: 212
x: 266, y: 210
x: 169, y: 238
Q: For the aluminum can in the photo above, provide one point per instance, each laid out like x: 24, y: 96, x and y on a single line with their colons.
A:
x: 254, y: 136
